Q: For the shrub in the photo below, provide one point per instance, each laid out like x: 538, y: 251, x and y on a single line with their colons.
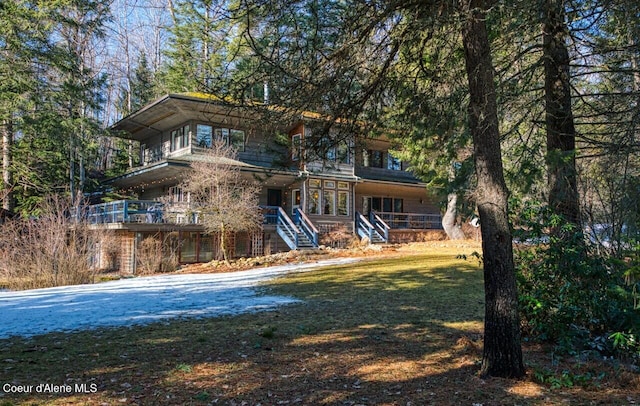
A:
x: 52, y: 249
x: 576, y: 297
x: 157, y: 253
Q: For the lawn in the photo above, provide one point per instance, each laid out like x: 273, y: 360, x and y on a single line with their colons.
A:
x: 400, y: 328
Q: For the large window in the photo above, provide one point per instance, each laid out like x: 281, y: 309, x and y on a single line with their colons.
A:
x: 233, y: 138
x: 204, y: 135
x: 383, y: 204
x: 329, y: 198
x: 180, y: 138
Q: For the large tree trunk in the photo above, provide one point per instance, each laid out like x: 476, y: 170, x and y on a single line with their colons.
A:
x: 561, y: 133
x: 502, y: 354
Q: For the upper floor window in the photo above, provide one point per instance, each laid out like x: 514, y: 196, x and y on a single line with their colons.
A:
x: 233, y: 138
x: 372, y: 158
x: 393, y: 163
x: 180, y: 138
x: 206, y: 134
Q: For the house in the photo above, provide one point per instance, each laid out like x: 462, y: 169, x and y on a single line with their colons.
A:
x: 311, y: 186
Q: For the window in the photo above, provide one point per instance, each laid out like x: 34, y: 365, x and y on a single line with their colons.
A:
x: 344, y: 157
x: 295, y: 202
x: 398, y: 205
x: 233, y: 138
x: 180, y: 138
x: 343, y: 203
x: 204, y: 134
x: 314, y: 201
x: 329, y: 201
x: 296, y: 145
x: 372, y: 158
x: 236, y: 139
x: 176, y: 195
x: 393, y: 163
x: 387, y: 205
x: 376, y: 204
x: 383, y: 204
x: 327, y: 149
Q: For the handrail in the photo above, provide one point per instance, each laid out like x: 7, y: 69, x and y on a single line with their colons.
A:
x: 363, y: 224
x: 307, y: 226
x: 287, y: 229
x: 381, y: 225
x: 282, y: 215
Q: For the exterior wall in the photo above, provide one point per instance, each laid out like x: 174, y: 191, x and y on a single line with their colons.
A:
x: 259, y: 148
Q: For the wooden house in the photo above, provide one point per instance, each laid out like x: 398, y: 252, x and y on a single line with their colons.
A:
x: 309, y: 190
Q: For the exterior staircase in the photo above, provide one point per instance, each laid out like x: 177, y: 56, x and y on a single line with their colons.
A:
x: 374, y: 228
x: 300, y: 234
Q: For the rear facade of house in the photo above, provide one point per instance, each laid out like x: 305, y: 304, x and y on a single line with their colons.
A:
x: 312, y: 193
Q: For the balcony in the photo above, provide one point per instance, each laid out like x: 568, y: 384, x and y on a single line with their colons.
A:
x: 141, y: 212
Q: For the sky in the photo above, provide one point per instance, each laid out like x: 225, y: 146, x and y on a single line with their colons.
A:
x: 143, y: 300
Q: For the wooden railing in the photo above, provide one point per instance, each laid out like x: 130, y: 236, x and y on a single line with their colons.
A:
x: 364, y: 228
x: 411, y: 221
x: 307, y: 226
x: 380, y: 225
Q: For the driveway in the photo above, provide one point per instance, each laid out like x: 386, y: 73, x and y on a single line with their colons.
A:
x: 142, y: 300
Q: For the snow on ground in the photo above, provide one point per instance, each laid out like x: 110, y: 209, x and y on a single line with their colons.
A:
x: 141, y: 300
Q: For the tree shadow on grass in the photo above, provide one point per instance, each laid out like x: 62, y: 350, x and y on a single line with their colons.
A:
x: 360, y: 337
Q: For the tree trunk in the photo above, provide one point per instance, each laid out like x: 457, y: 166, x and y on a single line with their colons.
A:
x: 561, y: 133
x: 449, y: 224
x: 502, y: 356
x: 223, y: 243
x: 7, y: 177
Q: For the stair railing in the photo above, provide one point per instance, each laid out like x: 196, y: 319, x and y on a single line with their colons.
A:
x: 363, y: 227
x: 380, y: 225
x: 287, y: 230
x: 307, y: 226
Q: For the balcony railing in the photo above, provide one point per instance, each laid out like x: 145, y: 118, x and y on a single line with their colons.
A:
x: 411, y: 221
x: 140, y: 211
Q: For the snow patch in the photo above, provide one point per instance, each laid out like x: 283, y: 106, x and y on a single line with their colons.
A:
x: 142, y: 300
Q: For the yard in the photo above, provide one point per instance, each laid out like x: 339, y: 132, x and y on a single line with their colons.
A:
x: 400, y: 328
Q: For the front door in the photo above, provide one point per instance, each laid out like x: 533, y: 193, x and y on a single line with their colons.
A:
x: 274, y: 197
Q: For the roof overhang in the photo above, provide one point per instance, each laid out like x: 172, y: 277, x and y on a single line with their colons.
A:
x: 172, y: 110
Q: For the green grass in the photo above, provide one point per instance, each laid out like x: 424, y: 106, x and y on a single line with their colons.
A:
x: 383, y: 331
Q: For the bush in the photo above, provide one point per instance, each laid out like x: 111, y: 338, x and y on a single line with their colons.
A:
x: 52, y: 249
x: 157, y: 253
x: 576, y: 297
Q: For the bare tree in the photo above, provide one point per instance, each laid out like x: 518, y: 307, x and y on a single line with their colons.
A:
x: 223, y: 198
